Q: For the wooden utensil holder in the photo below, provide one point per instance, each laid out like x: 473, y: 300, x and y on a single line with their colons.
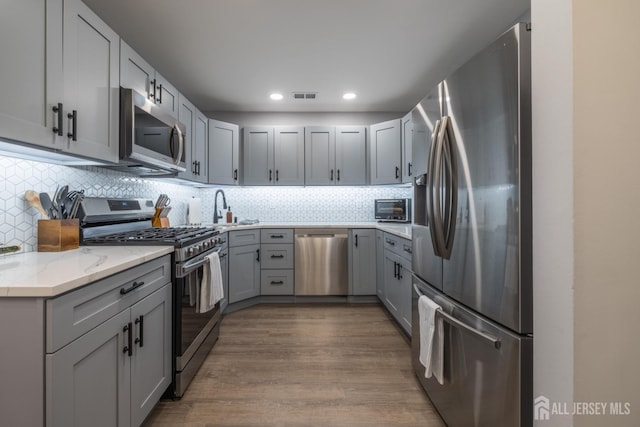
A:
x: 56, y: 235
x: 158, y: 221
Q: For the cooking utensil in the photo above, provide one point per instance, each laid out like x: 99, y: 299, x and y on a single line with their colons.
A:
x: 76, y: 205
x: 34, y: 200
x: 45, y: 201
x: 60, y: 200
x: 164, y: 212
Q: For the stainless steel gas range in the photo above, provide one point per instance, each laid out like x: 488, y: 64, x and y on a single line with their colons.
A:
x: 105, y: 221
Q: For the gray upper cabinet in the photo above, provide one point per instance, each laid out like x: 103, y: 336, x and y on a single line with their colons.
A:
x: 30, y: 81
x: 362, y: 250
x: 273, y: 156
x: 319, y: 155
x: 138, y: 74
x: 335, y: 155
x: 224, y: 153
x: 187, y: 116
x: 257, y: 147
x: 407, y: 148
x: 91, y: 83
x: 385, y: 152
x: 200, y: 147
x: 289, y: 155
x: 351, y: 155
x: 75, y: 111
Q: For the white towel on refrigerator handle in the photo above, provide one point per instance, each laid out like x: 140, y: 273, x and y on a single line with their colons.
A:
x: 431, y: 339
x: 211, y: 288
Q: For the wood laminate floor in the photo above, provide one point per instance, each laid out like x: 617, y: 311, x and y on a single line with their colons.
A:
x: 304, y: 365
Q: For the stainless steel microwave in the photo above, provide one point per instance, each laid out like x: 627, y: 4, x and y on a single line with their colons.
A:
x: 398, y: 210
x: 151, y: 140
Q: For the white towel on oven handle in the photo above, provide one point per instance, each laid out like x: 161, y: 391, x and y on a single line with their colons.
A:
x: 211, y: 287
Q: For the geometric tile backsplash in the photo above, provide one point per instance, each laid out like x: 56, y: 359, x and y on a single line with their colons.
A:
x: 18, y: 221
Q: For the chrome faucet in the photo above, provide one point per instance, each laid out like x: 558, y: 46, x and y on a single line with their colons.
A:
x: 217, y: 215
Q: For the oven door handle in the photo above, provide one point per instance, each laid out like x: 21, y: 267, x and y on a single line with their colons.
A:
x: 185, y: 269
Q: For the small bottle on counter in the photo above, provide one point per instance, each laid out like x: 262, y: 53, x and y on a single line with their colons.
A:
x: 229, y: 215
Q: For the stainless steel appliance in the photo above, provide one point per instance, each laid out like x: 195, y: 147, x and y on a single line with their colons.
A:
x: 107, y: 221
x: 472, y: 234
x: 151, y: 141
x: 321, y: 262
x: 396, y: 210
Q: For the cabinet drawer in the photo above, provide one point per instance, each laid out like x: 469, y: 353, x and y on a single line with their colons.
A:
x: 397, y: 245
x: 276, y: 282
x: 274, y: 256
x: 244, y: 237
x: 72, y: 315
x: 276, y: 235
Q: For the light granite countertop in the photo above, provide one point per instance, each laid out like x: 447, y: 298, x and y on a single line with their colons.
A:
x: 47, y: 274
x: 399, y: 229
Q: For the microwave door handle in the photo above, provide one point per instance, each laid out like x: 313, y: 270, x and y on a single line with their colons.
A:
x: 176, y: 159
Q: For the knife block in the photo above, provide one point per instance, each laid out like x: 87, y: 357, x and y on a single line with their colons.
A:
x: 56, y: 235
x: 158, y: 221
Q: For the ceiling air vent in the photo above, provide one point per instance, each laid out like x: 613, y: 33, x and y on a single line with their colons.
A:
x: 305, y: 95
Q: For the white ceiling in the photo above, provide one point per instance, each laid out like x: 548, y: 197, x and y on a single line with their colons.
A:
x: 229, y: 55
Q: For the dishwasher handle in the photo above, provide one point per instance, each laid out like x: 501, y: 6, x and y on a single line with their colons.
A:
x: 322, y: 235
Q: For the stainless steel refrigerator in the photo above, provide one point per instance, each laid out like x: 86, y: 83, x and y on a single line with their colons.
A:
x: 472, y: 234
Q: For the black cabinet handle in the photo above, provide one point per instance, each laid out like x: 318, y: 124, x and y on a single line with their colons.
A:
x: 223, y: 255
x: 331, y: 177
x: 277, y: 256
x: 399, y: 271
x: 140, y: 339
x: 279, y: 282
x: 74, y: 125
x: 407, y: 249
x: 409, y: 166
x: 277, y: 177
x: 258, y: 255
x: 152, y: 85
x: 235, y: 174
x: 338, y: 174
x: 270, y: 175
x: 397, y: 172
x: 58, y: 110
x: 390, y: 242
x: 277, y: 236
x: 160, y: 97
x: 356, y: 239
x: 135, y: 285
x: 395, y: 270
x: 129, y: 347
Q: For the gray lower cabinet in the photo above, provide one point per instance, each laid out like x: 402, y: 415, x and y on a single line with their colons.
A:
x: 244, y: 272
x: 224, y: 269
x: 362, y: 258
x: 397, y: 279
x: 380, y: 278
x: 277, y: 261
x: 276, y: 282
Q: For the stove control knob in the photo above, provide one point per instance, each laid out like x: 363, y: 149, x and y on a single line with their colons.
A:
x: 190, y: 251
x: 205, y: 245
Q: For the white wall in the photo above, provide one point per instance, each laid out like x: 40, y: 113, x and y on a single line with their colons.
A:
x: 552, y: 109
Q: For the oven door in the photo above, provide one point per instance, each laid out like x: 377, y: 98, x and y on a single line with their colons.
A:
x: 194, y: 333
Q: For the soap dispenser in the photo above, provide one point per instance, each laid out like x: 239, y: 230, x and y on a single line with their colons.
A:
x: 229, y: 215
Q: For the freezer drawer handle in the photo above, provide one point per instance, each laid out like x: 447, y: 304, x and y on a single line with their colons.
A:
x: 455, y: 322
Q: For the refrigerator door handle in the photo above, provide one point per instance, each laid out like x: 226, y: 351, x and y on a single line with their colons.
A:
x: 451, y: 188
x: 431, y: 196
x: 455, y: 322
x: 437, y: 191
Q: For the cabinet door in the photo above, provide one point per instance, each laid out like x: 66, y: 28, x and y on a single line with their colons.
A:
x: 224, y: 152
x: 407, y: 148
x: 135, y: 72
x: 151, y: 362
x: 224, y: 268
x: 363, y: 249
x: 167, y: 96
x: 392, y: 294
x: 257, y: 146
x: 404, y: 295
x: 91, y: 83
x: 187, y: 116
x: 319, y: 155
x: 385, y: 160
x: 244, y: 272
x: 351, y: 155
x: 380, y: 277
x: 289, y: 155
x: 88, y: 381
x: 199, y: 148
x: 31, y: 71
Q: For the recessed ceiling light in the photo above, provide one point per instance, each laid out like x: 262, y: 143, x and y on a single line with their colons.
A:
x: 349, y: 96
x: 276, y: 96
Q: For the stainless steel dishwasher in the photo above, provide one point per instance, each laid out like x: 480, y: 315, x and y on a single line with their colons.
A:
x: 321, y: 262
